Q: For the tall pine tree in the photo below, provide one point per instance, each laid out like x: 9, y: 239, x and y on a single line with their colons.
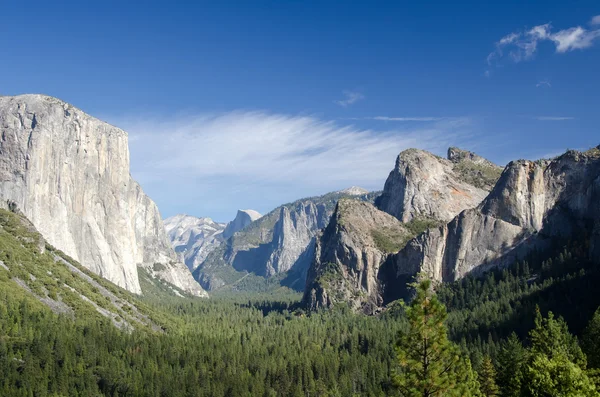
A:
x: 431, y: 365
x: 511, y: 359
x: 487, y: 378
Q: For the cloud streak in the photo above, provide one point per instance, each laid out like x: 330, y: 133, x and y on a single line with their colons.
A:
x: 523, y: 45
x: 351, y: 97
x: 387, y: 118
x: 553, y: 118
x: 544, y: 83
x: 221, y: 162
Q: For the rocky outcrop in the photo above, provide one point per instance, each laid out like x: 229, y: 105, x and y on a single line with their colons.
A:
x: 292, y: 235
x: 348, y: 256
x: 533, y: 203
x: 278, y: 242
x: 474, y: 169
x: 242, y: 219
x: 533, y: 206
x: 354, y: 191
x: 423, y: 185
x: 193, y: 238
x: 69, y: 174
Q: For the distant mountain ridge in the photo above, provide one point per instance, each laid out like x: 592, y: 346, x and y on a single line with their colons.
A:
x: 279, y: 242
x: 242, y: 219
x: 194, y: 238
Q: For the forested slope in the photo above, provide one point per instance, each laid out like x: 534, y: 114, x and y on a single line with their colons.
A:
x: 267, y: 346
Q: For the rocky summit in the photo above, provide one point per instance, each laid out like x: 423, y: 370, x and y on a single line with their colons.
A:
x: 423, y: 185
x: 68, y: 173
x: 242, y: 219
x: 195, y: 238
x: 354, y: 256
x: 534, y: 204
x: 348, y: 256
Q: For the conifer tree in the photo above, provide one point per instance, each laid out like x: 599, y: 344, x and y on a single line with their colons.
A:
x: 511, y: 359
x: 430, y: 365
x: 487, y: 378
x: 591, y: 341
x: 555, y: 364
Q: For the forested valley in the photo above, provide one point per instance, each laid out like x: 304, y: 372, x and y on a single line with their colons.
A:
x: 499, y: 337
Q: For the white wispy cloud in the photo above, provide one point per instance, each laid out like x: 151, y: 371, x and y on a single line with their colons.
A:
x: 523, y: 45
x: 544, y: 83
x: 553, y: 118
x: 350, y: 98
x: 387, y: 118
x: 220, y: 162
x: 576, y: 38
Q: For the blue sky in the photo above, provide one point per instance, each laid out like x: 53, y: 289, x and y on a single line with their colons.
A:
x: 252, y: 104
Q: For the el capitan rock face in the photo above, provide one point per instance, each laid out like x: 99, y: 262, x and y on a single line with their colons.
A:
x: 69, y: 174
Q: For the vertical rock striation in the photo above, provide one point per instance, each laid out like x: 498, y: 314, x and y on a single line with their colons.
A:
x: 293, y: 233
x: 533, y: 203
x: 69, y: 174
x: 276, y: 243
x: 422, y: 191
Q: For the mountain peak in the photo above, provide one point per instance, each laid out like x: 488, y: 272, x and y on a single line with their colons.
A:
x: 354, y: 191
x: 242, y: 219
x: 423, y: 185
x: 457, y: 155
x: 254, y: 215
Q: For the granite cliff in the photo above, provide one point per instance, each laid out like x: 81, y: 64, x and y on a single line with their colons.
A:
x: 534, y: 204
x: 423, y: 185
x: 69, y: 174
x: 194, y: 238
x: 354, y: 254
x: 242, y: 219
x: 348, y: 255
